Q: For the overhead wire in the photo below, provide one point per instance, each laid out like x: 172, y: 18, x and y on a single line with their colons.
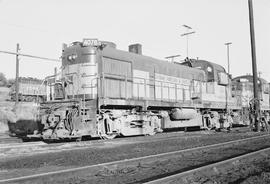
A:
x: 31, y: 56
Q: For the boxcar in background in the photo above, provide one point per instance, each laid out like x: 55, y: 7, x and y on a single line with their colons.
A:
x: 30, y: 89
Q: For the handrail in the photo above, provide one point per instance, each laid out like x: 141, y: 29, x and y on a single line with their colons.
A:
x: 162, y: 89
x: 132, y: 78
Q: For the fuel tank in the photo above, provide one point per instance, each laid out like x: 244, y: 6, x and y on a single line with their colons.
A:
x: 183, y: 114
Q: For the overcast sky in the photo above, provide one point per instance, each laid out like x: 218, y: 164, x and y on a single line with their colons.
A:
x: 41, y: 26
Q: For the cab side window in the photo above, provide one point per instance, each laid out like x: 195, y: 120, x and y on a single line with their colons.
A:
x: 210, y: 74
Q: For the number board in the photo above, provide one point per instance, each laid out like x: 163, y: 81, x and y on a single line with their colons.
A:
x: 91, y: 42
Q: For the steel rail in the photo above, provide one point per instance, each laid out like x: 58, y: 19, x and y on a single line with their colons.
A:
x: 80, y: 145
x: 35, y: 176
x: 59, y: 147
x: 19, y: 145
x: 86, y: 143
x: 214, y: 166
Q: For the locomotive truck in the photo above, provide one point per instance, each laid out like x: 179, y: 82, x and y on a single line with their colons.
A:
x: 105, y: 92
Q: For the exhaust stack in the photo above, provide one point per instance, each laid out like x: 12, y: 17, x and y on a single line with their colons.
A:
x: 135, y: 48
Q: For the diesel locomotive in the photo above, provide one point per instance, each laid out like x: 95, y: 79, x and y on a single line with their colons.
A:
x: 242, y: 90
x: 106, y: 92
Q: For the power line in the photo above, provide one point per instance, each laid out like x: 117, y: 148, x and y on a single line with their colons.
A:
x: 31, y: 56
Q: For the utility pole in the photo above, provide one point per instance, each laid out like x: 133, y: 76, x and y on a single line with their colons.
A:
x: 187, y: 35
x: 226, y: 87
x: 228, y: 55
x: 254, y: 68
x: 17, y: 75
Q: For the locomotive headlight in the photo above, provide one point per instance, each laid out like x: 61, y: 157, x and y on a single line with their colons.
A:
x: 74, y: 56
x: 69, y: 58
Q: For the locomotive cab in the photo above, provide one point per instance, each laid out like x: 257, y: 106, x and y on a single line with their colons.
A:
x: 214, y: 72
x: 216, y: 91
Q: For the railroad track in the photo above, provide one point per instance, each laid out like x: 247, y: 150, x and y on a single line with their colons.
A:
x: 13, y: 142
x: 20, y: 145
x: 7, y: 139
x: 211, y: 170
x: 13, y: 150
x: 28, y: 148
x: 152, y: 167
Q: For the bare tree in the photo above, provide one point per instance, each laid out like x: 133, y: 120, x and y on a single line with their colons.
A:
x: 3, y: 79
